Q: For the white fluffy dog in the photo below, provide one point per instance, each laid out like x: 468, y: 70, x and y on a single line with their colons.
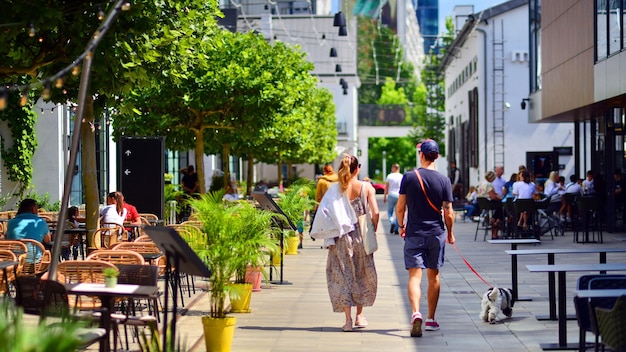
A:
x: 495, y: 301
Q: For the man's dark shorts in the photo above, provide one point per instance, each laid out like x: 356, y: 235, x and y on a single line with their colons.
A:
x: 424, y: 252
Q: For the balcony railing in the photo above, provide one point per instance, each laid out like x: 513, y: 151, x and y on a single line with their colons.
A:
x: 383, y: 115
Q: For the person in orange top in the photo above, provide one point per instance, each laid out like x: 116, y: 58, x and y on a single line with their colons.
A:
x: 324, y: 182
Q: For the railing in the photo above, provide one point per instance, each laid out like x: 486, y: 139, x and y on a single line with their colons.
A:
x: 384, y: 115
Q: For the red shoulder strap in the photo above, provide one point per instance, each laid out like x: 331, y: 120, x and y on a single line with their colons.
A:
x: 419, y: 177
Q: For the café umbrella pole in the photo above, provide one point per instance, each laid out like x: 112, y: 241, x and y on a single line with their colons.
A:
x: 87, y: 59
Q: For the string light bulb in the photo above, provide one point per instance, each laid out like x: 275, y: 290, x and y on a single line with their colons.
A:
x: 59, y: 82
x: 31, y: 30
x: 76, y: 70
x: 3, y: 99
x: 46, y: 93
x: 126, y: 6
x: 100, y: 13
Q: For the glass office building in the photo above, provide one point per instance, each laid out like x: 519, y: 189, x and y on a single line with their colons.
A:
x: 427, y: 12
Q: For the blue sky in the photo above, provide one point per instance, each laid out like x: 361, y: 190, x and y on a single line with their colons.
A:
x: 446, y: 8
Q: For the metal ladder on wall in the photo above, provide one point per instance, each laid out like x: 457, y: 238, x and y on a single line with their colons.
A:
x: 498, y: 93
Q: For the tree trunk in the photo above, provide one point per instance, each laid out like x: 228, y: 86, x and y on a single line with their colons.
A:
x: 280, y: 174
x: 89, y: 171
x: 199, y: 151
x: 289, y: 172
x: 226, y: 163
x: 250, y: 174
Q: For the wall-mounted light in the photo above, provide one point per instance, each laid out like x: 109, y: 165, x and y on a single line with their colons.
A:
x: 524, y: 103
x: 337, y: 68
x: 333, y: 52
x: 340, y: 19
x: 343, y: 31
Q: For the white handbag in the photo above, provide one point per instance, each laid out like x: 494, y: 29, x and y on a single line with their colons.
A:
x: 366, y: 225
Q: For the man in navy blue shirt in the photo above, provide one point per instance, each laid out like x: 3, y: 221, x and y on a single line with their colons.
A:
x: 424, y: 193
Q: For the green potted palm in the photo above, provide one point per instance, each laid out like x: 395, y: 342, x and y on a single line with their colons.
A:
x: 252, y: 244
x: 297, y: 201
x: 231, y: 236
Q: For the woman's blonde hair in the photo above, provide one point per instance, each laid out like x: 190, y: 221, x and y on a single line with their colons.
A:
x: 348, y: 165
x: 490, y: 176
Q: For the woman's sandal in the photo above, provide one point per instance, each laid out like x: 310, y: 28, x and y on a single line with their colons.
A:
x: 360, y: 323
x: 347, y: 327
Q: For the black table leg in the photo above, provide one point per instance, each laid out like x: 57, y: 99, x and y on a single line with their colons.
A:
x: 514, y: 282
x: 562, y: 345
x: 105, y: 319
x: 603, y: 261
x: 551, y: 289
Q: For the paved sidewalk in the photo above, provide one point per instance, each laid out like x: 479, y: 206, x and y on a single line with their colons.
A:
x: 297, y: 315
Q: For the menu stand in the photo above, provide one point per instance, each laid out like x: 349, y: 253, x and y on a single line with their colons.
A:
x: 267, y: 203
x: 183, y: 259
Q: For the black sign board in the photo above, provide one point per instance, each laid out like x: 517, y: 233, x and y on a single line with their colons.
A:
x: 141, y: 170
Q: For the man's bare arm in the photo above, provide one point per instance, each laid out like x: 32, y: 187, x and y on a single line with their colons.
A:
x: 448, y: 217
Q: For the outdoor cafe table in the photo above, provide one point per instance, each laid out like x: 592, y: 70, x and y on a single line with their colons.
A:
x: 81, y: 232
x: 107, y: 296
x: 514, y: 243
x: 601, y: 293
x: 551, y: 280
x: 562, y: 269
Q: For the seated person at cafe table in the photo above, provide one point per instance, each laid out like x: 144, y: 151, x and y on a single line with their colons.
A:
x: 114, y: 212
x: 132, y: 215
x: 27, y: 224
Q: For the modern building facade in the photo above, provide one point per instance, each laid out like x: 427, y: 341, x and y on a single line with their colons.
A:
x: 578, y: 80
x: 487, y: 78
x: 427, y: 13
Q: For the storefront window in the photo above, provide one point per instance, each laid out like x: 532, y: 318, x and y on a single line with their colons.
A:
x: 615, y: 26
x: 601, y: 35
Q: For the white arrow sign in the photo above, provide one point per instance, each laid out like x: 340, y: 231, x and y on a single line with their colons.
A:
x: 128, y: 152
x: 127, y: 172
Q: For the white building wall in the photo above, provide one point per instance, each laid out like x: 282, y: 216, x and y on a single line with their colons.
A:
x: 316, y: 35
x: 520, y: 136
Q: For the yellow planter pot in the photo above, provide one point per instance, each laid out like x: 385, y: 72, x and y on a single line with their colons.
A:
x: 219, y: 333
x: 240, y: 302
x: 292, y: 245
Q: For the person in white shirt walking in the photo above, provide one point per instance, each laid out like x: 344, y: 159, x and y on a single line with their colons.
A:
x: 392, y: 192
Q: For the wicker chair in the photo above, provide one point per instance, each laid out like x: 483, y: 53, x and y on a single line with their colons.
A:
x: 143, y: 238
x: 6, y: 255
x: 149, y: 216
x: 107, y: 237
x: 611, y: 325
x: 49, y: 298
x: 117, y: 256
x: 139, y: 275
x: 37, y: 258
x: 16, y: 247
x: 77, y: 271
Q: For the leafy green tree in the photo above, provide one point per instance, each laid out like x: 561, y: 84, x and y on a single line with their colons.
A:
x: 306, y: 135
x: 379, y: 55
x: 431, y: 120
x: 43, y: 38
x: 217, y: 99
